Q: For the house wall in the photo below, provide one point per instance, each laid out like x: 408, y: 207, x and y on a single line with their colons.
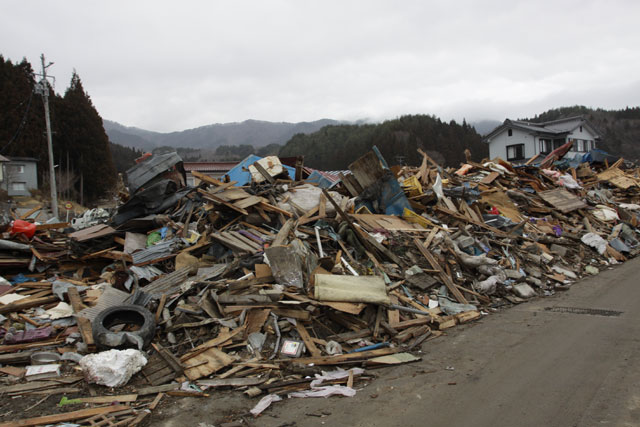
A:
x: 498, y: 144
x: 20, y: 177
x: 584, y: 135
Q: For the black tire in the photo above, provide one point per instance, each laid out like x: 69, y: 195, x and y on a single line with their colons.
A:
x: 131, y: 314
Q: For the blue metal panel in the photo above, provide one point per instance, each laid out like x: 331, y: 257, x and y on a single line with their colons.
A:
x: 394, y: 198
x: 243, y: 177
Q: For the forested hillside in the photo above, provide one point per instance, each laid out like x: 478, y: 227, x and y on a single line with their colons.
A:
x: 256, y: 133
x: 620, y: 129
x: 80, y: 144
x: 334, y: 147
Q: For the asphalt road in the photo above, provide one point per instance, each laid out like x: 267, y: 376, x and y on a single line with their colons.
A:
x: 537, y: 364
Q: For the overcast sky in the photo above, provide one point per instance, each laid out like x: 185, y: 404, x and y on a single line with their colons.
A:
x: 169, y: 66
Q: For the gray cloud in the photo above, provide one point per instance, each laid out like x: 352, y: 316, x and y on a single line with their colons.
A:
x: 168, y: 66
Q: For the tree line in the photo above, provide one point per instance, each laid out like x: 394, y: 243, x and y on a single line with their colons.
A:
x: 81, y: 148
x: 335, y: 147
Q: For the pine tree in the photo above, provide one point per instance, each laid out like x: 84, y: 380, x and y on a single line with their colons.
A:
x: 82, y: 135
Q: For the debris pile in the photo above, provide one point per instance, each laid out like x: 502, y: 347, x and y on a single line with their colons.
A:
x: 285, y: 287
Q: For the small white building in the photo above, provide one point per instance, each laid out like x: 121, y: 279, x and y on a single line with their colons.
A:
x: 517, y: 141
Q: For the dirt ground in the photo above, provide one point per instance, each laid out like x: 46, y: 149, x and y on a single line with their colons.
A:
x: 550, y: 362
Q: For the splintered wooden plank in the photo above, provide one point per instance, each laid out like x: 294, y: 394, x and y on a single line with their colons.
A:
x: 367, y: 169
x: 255, y: 320
x: 349, y: 357
x: 84, y: 326
x: 216, y: 199
x: 283, y: 235
x: 218, y: 341
x: 304, y: 334
x: 206, y: 178
x: 562, y: 200
x: 490, y: 178
x: 67, y: 416
x: 349, y: 185
x: 269, y: 207
x: 232, y: 243
x: 443, y: 276
x: 248, y: 202
x: 618, y: 178
x: 250, y: 243
x: 206, y: 363
x: 30, y: 211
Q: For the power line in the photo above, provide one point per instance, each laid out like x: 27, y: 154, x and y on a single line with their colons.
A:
x: 23, y: 122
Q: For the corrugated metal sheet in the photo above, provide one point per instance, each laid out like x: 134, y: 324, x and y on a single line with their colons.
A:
x: 167, y: 283
x: 156, y: 251
x: 144, y: 172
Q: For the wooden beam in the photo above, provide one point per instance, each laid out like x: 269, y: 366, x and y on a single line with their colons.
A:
x: 206, y: 178
x: 443, y: 276
x: 67, y: 416
x: 349, y: 357
x: 304, y: 334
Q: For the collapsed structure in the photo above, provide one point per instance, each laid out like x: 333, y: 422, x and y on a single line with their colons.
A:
x: 261, y: 281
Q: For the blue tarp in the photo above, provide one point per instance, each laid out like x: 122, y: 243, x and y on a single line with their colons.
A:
x: 243, y: 177
x: 599, y: 156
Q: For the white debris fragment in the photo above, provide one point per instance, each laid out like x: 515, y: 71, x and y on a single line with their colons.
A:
x: 112, y: 368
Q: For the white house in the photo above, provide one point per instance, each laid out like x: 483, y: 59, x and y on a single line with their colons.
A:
x: 517, y: 141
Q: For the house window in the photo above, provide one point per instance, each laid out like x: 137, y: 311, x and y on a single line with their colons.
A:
x: 510, y: 132
x: 580, y: 128
x: 545, y: 146
x: 16, y: 168
x: 557, y: 143
x: 580, y: 145
x: 515, y: 152
x: 19, y: 186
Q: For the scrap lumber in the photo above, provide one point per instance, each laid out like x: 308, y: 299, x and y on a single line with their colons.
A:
x: 443, y: 276
x: 67, y: 416
x: 213, y: 314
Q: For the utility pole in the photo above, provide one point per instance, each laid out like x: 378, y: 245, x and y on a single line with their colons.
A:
x: 44, y: 88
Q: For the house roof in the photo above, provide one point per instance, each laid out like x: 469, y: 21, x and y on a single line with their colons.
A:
x: 22, y: 159
x: 3, y: 158
x: 579, y: 121
x: 566, y: 119
x: 543, y: 128
x: 209, y: 166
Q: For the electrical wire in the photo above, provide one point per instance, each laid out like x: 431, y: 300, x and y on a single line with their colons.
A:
x: 23, y: 122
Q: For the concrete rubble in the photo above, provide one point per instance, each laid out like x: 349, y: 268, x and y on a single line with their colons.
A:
x: 281, y: 287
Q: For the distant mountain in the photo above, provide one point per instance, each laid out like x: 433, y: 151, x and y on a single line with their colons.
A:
x: 483, y: 127
x: 250, y: 132
x: 130, y: 140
